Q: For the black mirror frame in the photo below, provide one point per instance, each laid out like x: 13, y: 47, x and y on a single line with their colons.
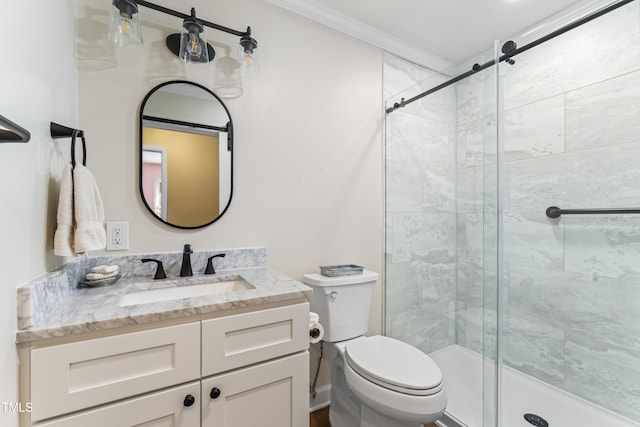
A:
x: 230, y: 132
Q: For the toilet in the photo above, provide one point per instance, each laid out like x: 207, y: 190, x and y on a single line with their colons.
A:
x: 376, y: 381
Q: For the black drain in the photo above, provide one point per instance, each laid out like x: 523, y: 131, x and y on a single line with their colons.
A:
x: 536, y: 420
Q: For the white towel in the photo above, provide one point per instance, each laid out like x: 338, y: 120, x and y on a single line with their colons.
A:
x: 63, y: 237
x: 89, y: 212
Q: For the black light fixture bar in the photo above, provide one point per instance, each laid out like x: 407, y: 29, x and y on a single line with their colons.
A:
x: 511, y: 53
x: 185, y: 16
x: 556, y: 212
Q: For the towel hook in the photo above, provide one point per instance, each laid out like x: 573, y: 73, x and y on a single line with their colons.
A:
x: 60, y: 131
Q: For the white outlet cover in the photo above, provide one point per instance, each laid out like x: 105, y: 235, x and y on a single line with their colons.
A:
x: 117, y: 236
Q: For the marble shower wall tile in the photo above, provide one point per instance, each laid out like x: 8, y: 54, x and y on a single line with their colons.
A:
x: 593, y: 315
x: 534, y: 347
x: 606, y: 375
x: 419, y: 140
x: 417, y: 188
x: 472, y: 96
x: 420, y: 205
x: 469, y: 243
x: 603, y: 245
x: 470, y: 143
x: 605, y: 113
x: 469, y: 331
x: 428, y: 236
x: 536, y: 129
x: 469, y: 190
x: 600, y: 177
x: 533, y: 240
x: 424, y: 327
x: 601, y: 49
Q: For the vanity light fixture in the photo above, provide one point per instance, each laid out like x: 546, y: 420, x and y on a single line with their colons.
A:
x: 190, y: 45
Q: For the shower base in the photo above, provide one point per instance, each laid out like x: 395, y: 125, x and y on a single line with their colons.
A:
x: 522, y: 394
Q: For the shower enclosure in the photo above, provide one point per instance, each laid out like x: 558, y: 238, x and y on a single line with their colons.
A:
x: 534, y: 320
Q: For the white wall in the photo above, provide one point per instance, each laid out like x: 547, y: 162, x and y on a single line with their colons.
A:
x: 308, y: 156
x: 308, y: 140
x: 37, y: 85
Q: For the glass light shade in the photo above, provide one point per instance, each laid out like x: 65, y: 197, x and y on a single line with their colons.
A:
x: 227, y: 81
x: 193, y: 45
x: 124, y: 24
x: 249, y: 63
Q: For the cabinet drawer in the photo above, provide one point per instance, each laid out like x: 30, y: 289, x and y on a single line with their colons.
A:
x: 74, y: 376
x: 233, y: 341
x: 162, y: 409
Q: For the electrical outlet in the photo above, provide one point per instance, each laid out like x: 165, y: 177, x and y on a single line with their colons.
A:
x: 117, y: 236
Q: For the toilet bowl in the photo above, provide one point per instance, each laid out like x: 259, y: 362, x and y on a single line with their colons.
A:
x: 376, y: 381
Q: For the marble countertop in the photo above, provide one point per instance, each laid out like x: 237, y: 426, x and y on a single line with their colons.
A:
x: 95, y: 309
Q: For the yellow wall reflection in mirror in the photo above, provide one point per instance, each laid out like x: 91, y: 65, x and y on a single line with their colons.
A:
x: 192, y: 175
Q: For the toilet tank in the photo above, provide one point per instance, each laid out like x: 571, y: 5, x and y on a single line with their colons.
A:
x: 342, y: 303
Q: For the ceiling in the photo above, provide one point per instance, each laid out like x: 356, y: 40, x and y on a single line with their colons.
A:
x: 447, y: 30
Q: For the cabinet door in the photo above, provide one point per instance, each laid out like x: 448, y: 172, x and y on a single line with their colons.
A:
x: 169, y: 408
x: 271, y: 394
x: 79, y: 375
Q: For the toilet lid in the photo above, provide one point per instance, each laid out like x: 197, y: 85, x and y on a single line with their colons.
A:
x: 394, y: 365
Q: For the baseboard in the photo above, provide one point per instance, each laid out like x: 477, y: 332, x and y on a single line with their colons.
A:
x: 323, y: 398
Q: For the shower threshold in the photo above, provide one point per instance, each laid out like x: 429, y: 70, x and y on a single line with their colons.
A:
x: 462, y: 372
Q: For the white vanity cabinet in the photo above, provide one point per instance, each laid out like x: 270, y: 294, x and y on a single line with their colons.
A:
x: 257, y: 361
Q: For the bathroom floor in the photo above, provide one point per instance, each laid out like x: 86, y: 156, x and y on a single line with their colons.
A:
x: 320, y: 418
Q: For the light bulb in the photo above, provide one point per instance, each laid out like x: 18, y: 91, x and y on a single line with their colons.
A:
x: 249, y: 63
x: 195, y: 47
x: 124, y: 25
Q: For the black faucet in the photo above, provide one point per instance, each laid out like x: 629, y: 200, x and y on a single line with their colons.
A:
x: 210, y: 269
x: 160, y: 274
x: 186, y: 261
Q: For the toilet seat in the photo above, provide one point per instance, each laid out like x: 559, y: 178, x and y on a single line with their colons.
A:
x: 394, y: 365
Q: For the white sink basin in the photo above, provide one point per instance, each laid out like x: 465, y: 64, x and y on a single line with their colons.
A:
x: 185, y: 291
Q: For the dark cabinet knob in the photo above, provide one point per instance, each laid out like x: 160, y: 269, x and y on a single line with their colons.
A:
x: 189, y: 400
x: 215, y: 393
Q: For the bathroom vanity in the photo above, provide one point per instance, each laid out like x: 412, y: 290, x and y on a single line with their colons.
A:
x: 238, y: 357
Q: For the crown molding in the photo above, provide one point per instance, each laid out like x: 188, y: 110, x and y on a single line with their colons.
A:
x: 367, y: 33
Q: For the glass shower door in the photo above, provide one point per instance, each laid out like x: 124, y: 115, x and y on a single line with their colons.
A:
x: 571, y: 296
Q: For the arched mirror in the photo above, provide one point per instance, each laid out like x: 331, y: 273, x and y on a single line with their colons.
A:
x: 186, y: 154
